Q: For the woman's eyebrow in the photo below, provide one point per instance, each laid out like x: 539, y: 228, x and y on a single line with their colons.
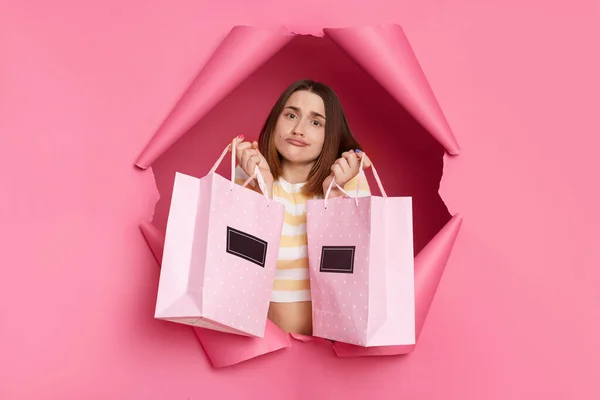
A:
x: 316, y: 114
x: 293, y: 108
x: 313, y: 113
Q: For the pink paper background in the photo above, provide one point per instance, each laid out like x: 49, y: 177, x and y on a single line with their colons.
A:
x: 84, y: 87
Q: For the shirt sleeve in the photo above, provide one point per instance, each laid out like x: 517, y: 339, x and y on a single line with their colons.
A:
x: 358, y: 182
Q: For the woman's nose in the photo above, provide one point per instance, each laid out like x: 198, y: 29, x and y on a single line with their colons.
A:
x: 298, y: 129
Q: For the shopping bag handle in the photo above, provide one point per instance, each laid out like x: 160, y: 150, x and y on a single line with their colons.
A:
x: 333, y: 182
x: 375, y: 175
x: 257, y: 175
x: 361, y: 170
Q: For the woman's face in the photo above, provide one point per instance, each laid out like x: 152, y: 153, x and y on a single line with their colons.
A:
x: 300, y: 129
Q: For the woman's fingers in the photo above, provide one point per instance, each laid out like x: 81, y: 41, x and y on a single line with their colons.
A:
x: 250, y: 159
x: 343, y: 163
x: 243, y: 156
x: 352, y: 158
x: 253, y: 162
x: 248, y: 155
x: 240, y: 149
x: 238, y: 141
x: 246, y: 158
x: 337, y: 171
x: 361, y: 155
x: 346, y: 167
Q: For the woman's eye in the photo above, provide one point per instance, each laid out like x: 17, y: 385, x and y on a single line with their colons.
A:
x: 316, y: 123
x: 291, y: 115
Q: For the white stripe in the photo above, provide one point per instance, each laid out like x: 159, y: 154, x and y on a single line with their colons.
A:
x: 289, y: 187
x: 291, y: 230
x: 295, y: 274
x: 292, y: 253
x: 280, y: 296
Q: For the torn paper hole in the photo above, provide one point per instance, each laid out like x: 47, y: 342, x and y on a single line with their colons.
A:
x: 389, y: 104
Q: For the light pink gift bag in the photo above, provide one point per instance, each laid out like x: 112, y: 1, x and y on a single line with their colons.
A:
x: 362, y: 268
x: 220, y: 253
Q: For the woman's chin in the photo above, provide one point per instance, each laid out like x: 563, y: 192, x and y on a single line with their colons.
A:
x: 300, y: 161
x: 297, y: 156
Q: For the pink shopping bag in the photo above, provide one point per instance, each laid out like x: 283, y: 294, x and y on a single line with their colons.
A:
x: 362, y: 268
x: 220, y: 253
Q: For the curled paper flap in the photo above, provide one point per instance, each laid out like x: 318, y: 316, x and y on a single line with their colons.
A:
x: 382, y: 51
x: 430, y: 264
x: 154, y: 238
x: 303, y: 338
x: 239, y: 55
x: 385, y: 53
x: 310, y: 339
x: 224, y: 349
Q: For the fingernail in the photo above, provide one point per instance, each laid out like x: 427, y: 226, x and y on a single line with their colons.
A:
x: 357, y: 150
x: 240, y: 137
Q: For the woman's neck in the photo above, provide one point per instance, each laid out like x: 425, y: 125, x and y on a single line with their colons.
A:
x: 295, y: 173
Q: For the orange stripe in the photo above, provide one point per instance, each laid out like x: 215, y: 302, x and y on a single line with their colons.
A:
x: 294, y: 220
x: 287, y: 285
x: 294, y: 198
x: 293, y: 241
x: 292, y: 264
x: 353, y: 184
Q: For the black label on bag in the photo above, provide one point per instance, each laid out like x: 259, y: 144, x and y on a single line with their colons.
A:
x: 248, y: 247
x: 339, y: 259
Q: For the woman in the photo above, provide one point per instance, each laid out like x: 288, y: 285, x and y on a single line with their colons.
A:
x: 304, y: 144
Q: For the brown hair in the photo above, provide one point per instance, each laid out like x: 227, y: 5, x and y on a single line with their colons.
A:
x: 338, y: 137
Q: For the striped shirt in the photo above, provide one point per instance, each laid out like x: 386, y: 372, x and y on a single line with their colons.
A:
x: 292, y: 282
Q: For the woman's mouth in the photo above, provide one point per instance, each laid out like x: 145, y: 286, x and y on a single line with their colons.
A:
x: 297, y: 143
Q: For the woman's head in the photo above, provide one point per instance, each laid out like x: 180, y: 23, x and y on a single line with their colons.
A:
x: 306, y: 126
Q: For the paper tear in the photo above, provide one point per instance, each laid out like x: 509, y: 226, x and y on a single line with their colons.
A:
x: 430, y: 265
x: 224, y: 349
x: 150, y: 172
x: 386, y: 54
x: 154, y: 238
x: 383, y: 51
x: 213, y: 342
x: 242, y: 51
x: 444, y: 190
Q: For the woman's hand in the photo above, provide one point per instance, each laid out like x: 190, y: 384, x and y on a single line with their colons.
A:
x: 343, y: 171
x: 248, y: 157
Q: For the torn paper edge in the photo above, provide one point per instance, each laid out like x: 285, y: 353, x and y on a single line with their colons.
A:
x: 382, y: 51
x: 338, y: 37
